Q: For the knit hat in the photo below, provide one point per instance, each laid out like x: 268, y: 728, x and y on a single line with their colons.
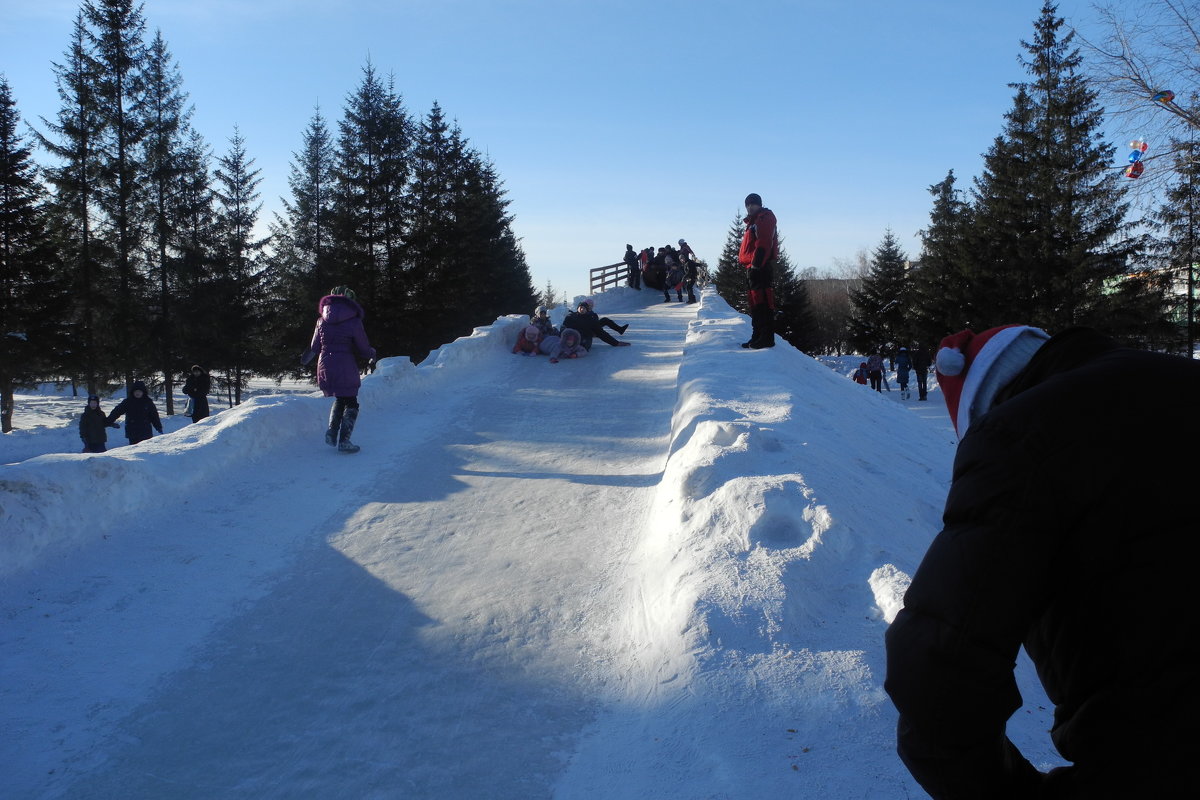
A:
x: 92, y: 397
x: 532, y: 333
x: 753, y: 200
x: 972, y: 368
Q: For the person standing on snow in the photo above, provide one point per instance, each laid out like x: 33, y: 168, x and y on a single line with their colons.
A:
x: 759, y: 249
x: 1066, y: 530
x: 875, y: 370
x: 685, y: 251
x: 140, y: 414
x: 197, y: 386
x: 340, y: 337
x: 903, y: 367
x: 93, y: 427
x: 633, y: 272
x: 921, y: 361
x: 690, y: 273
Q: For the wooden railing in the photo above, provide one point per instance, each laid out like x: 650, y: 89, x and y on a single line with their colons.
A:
x: 603, y: 277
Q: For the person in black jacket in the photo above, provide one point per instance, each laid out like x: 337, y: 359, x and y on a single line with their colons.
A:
x: 921, y: 361
x: 197, y: 387
x: 632, y: 268
x: 1068, y: 529
x: 140, y: 414
x: 93, y: 427
x: 590, y: 324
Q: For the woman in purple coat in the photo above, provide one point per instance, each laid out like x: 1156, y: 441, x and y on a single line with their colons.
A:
x: 340, y: 339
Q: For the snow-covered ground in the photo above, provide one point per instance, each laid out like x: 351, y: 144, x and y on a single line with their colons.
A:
x: 661, y: 571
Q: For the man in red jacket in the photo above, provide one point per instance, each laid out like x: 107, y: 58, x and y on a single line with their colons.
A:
x: 760, y: 248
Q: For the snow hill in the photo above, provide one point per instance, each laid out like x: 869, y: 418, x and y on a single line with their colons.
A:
x: 662, y: 571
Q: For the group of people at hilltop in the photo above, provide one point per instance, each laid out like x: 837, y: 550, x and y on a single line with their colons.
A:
x: 573, y: 340
x: 673, y: 269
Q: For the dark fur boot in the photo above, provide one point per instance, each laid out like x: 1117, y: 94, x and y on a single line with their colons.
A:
x: 348, y: 420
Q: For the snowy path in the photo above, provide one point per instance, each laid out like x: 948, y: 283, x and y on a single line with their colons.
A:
x: 316, y: 627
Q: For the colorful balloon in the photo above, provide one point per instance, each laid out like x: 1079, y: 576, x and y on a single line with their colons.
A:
x: 1165, y: 96
x: 1135, y: 156
x: 1138, y: 144
x: 1135, y: 170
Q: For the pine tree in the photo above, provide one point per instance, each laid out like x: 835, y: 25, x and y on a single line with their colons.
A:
x: 881, y: 304
x: 75, y: 176
x: 239, y: 318
x: 166, y: 118
x: 195, y: 244
x: 940, y: 288
x: 301, y: 265
x: 1176, y: 250
x: 730, y: 279
x: 115, y: 39
x: 30, y: 291
x: 491, y: 264
x: 371, y: 205
x: 794, y: 319
x: 1048, y: 211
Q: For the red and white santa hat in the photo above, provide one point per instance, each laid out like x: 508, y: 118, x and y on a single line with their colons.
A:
x: 973, y: 367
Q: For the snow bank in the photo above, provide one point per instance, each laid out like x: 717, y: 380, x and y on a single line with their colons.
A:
x: 767, y: 571
x: 52, y: 503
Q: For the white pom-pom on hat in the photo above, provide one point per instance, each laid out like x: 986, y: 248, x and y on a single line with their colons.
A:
x: 951, y: 361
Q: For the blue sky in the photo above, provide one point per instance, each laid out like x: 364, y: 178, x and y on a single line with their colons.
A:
x: 615, y: 122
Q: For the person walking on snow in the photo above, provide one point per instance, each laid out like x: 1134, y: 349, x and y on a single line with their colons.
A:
x: 903, y: 366
x: 633, y: 271
x: 759, y: 249
x: 339, y: 338
x: 196, y: 387
x: 1067, y: 531
x: 875, y: 370
x: 140, y: 414
x: 93, y: 427
x: 921, y: 361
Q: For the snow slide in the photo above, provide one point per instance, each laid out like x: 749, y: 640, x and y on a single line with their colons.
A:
x: 660, y: 571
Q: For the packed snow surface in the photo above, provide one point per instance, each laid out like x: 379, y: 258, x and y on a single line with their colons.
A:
x: 661, y: 571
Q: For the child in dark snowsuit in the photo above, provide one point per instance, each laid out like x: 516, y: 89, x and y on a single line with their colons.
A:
x: 93, y: 427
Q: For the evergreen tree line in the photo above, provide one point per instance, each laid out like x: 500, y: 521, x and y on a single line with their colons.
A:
x: 133, y: 253
x: 1043, y: 237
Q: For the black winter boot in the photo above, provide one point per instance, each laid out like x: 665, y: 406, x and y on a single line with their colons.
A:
x: 335, y: 422
x: 348, y: 420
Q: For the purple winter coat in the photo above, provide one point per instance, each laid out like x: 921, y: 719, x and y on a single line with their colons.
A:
x: 340, y: 336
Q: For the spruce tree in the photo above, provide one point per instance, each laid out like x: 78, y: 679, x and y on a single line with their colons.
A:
x: 794, y: 318
x: 881, y: 305
x: 730, y: 278
x: 30, y: 290
x: 1048, y: 210
x: 115, y: 37
x: 194, y: 227
x: 940, y: 285
x: 301, y: 266
x: 1176, y: 250
x: 74, y: 140
x: 166, y: 124
x: 238, y: 320
x: 371, y: 206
